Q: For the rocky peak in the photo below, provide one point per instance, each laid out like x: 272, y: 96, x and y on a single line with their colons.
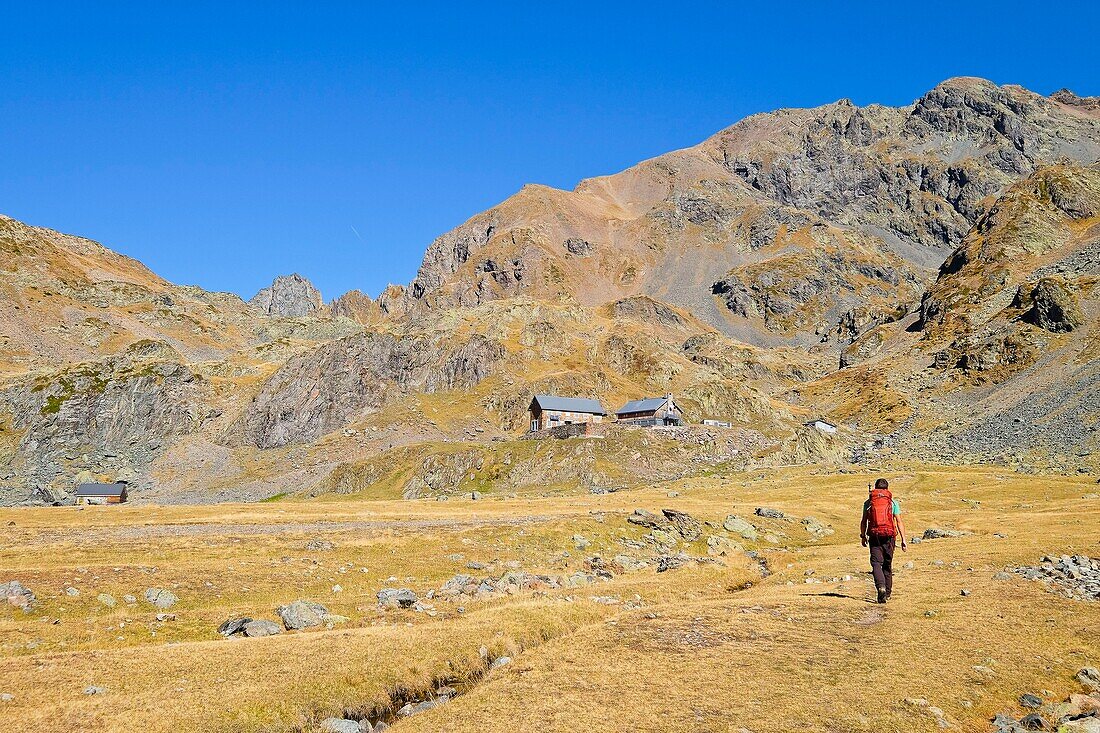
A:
x: 289, y: 296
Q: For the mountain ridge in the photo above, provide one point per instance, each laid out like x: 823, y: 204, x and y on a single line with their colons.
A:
x: 926, y: 275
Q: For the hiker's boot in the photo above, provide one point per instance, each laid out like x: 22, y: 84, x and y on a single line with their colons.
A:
x: 882, y: 595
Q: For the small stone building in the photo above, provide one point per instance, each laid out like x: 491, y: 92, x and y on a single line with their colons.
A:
x: 551, y: 411
x: 97, y: 493
x: 651, y: 412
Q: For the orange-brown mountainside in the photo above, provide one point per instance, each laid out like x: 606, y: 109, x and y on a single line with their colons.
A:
x: 924, y: 276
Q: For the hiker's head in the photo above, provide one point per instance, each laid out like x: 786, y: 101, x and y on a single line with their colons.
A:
x: 882, y: 484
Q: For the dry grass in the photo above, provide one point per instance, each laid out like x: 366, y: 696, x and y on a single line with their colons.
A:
x: 700, y: 654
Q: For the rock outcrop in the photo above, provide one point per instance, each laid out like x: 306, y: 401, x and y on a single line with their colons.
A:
x: 289, y: 296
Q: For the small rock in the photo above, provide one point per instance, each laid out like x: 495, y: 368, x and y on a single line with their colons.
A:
x: 964, y: 592
x: 70, y: 591
x: 129, y: 599
x: 107, y: 600
x: 6, y: 697
x: 769, y: 513
x: 320, y: 545
x: 162, y: 617
x: 340, y: 725
x: 581, y: 542
x: 94, y: 690
x: 500, y: 662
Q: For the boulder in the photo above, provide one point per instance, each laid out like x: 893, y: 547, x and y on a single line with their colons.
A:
x: 816, y: 528
x: 161, y: 598
x: 737, y: 525
x: 261, y: 627
x: 18, y: 595
x: 396, y: 598
x: 233, y: 626
x: 1089, y: 677
x: 769, y: 513
x: 670, y: 562
x: 648, y: 519
x: 628, y: 563
x: 688, y: 527
x: 302, y: 614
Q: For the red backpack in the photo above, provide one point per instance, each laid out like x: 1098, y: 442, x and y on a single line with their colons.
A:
x: 880, y: 516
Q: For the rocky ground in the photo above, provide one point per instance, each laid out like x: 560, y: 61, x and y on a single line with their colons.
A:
x: 595, y: 610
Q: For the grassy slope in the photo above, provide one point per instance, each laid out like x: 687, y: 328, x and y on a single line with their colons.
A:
x: 699, y: 655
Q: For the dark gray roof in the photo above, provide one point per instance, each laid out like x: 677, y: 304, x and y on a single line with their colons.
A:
x: 643, y: 405
x: 101, y: 489
x: 569, y: 404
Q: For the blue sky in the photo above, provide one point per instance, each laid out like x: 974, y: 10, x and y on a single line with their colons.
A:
x: 223, y: 144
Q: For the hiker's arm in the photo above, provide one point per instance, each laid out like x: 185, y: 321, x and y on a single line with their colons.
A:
x: 901, y: 532
x: 863, y: 529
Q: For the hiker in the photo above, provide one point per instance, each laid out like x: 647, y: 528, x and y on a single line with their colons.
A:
x: 879, y: 528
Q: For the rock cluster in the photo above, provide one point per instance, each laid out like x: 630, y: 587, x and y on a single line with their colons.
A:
x: 1080, y: 713
x: 1078, y: 576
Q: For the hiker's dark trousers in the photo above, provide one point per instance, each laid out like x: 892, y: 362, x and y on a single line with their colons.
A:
x: 882, y: 560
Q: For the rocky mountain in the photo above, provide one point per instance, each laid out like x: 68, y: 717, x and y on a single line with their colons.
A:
x: 289, y: 296
x: 923, y: 275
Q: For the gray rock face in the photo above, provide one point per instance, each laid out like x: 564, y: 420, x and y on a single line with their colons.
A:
x: 319, y: 391
x: 1053, y: 306
x: 114, y: 413
x: 161, y: 598
x: 289, y: 296
x: 302, y: 614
